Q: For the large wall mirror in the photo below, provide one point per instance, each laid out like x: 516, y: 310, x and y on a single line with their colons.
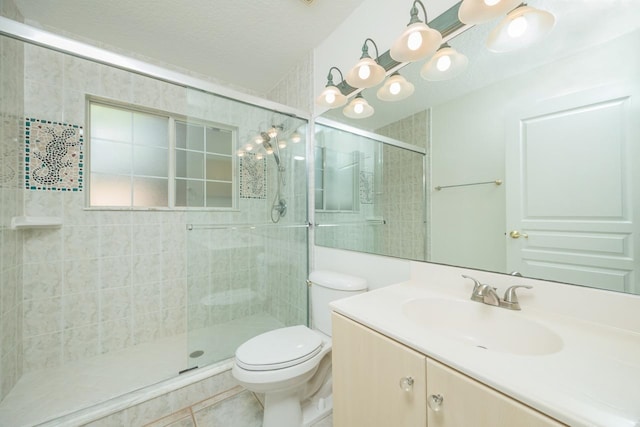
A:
x: 532, y: 155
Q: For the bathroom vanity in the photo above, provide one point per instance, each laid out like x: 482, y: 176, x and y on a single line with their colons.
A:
x: 380, y: 382
x: 417, y: 355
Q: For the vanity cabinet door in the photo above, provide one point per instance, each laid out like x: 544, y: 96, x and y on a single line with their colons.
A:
x: 368, y: 369
x: 466, y: 402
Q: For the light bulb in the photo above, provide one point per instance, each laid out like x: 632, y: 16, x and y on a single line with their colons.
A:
x: 330, y: 97
x: 259, y: 156
x: 269, y: 150
x: 295, y: 137
x: 444, y: 63
x: 358, y: 108
x: 282, y: 144
x: 273, y: 132
x: 240, y: 153
x: 364, y: 72
x: 517, y: 27
x: 414, y: 41
x: 394, y: 88
x: 258, y: 139
x: 248, y: 147
x: 491, y: 2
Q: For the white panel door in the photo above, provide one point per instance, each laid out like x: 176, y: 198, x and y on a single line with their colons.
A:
x: 571, y: 184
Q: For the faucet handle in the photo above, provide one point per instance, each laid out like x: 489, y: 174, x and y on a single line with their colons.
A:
x: 510, y: 299
x: 476, y: 295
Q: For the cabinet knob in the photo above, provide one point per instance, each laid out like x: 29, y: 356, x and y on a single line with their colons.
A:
x: 435, y: 402
x: 406, y: 384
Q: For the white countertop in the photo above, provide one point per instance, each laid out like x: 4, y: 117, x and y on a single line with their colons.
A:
x: 594, y: 380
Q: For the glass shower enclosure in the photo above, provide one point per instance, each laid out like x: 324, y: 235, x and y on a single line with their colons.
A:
x: 178, y: 223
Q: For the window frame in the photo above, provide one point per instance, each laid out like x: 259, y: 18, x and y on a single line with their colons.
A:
x: 171, y: 159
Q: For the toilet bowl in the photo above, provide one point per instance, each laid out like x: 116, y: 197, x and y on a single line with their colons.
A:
x: 292, y: 365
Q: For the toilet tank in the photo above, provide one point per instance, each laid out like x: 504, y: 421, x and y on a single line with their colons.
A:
x: 327, y: 286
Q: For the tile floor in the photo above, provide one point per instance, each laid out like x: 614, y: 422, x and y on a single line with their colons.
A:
x: 43, y: 395
x: 234, y: 408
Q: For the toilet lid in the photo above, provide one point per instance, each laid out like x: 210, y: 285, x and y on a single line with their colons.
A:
x: 279, y: 349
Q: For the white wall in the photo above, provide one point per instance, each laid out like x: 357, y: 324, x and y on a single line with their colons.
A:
x: 468, y: 145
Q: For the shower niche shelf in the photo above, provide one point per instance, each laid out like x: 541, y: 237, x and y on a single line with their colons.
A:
x: 26, y: 222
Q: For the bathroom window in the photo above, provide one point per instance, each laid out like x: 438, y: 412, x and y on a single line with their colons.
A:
x: 148, y: 159
x: 337, y: 175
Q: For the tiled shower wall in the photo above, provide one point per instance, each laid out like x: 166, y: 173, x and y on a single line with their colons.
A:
x: 107, y: 280
x: 405, y: 235
x: 11, y: 101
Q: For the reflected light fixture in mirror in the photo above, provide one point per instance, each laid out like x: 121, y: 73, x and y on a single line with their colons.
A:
x: 480, y: 11
x: 446, y: 64
x: 521, y: 27
x: 418, y: 40
x: 358, y: 108
x: 367, y: 72
x: 395, y: 88
x: 331, y: 96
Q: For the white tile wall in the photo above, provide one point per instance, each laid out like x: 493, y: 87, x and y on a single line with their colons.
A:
x: 11, y: 106
x: 110, y: 279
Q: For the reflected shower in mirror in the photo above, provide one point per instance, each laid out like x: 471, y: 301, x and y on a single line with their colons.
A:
x: 369, y: 193
x: 556, y: 123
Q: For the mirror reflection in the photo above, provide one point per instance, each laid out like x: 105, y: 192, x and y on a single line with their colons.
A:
x: 556, y: 124
x: 369, y: 194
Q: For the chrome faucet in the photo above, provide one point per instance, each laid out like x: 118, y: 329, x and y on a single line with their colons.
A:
x: 487, y: 294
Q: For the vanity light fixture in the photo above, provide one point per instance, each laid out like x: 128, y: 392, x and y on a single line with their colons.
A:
x: 445, y: 64
x: 480, y: 11
x: 331, y: 96
x: 521, y: 27
x: 367, y: 72
x: 418, y: 40
x: 296, y: 137
x: 395, y: 88
x: 358, y: 108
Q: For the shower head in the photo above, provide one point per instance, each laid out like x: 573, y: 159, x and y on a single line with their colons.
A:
x: 269, y: 148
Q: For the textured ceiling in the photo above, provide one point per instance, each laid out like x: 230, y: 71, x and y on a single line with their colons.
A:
x: 250, y: 44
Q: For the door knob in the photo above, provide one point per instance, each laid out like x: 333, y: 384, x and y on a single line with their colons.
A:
x: 515, y: 234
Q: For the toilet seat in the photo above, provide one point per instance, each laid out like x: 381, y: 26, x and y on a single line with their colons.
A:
x: 279, y: 349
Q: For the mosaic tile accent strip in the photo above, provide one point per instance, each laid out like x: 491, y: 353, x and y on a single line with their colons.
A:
x: 366, y: 187
x: 253, y: 177
x: 53, y: 155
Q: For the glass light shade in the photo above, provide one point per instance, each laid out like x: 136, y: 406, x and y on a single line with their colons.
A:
x: 445, y: 64
x: 416, y: 42
x: 479, y: 11
x: 358, y: 108
x: 296, y: 137
x: 331, y: 97
x: 522, y: 27
x: 359, y: 79
x: 395, y: 88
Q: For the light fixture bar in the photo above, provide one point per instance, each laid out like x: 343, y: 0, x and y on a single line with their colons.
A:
x: 447, y: 23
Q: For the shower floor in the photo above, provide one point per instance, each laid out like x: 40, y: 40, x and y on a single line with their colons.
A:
x: 50, y: 393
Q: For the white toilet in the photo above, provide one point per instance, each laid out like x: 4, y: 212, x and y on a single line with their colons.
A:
x: 292, y: 366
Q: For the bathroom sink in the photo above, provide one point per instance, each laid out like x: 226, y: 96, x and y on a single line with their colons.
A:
x: 483, y: 326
